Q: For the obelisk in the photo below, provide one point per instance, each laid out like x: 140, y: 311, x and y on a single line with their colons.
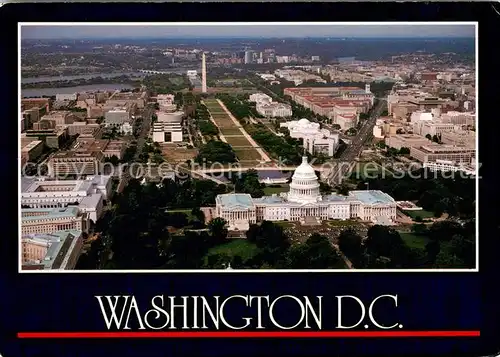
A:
x: 203, y: 74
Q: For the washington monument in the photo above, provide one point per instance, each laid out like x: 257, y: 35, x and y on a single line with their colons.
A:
x: 203, y: 74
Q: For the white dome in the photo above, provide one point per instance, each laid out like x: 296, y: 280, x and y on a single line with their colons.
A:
x: 304, y: 187
x: 304, y: 171
x: 304, y: 122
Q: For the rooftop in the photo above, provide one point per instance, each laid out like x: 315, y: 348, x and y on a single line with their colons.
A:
x: 34, y: 214
x: 58, y: 243
x: 372, y: 197
x: 235, y: 200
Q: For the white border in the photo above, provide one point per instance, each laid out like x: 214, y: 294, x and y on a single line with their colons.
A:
x: 475, y: 23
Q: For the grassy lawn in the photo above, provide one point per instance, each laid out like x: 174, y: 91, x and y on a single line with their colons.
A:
x: 270, y: 190
x: 221, y: 117
x: 236, y: 247
x: 230, y: 131
x: 422, y: 213
x: 249, y: 153
x: 414, y: 241
x: 238, y: 141
x: 186, y: 211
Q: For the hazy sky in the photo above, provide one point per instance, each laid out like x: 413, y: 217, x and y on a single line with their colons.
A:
x: 239, y: 30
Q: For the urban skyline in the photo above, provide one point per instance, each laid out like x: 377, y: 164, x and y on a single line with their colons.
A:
x: 242, y: 30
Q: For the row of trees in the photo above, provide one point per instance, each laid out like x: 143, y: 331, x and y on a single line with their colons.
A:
x: 449, y: 245
x: 138, y: 234
x: 286, y: 149
x: 433, y: 191
x: 216, y: 151
x: 238, y: 106
x: 202, y: 121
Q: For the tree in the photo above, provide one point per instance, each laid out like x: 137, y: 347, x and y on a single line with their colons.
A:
x: 350, y: 243
x: 217, y: 229
x: 419, y: 229
x: 248, y: 182
x: 325, y: 188
x: 216, y: 151
x: 351, y: 132
x: 343, y: 190
x: 399, y: 131
x: 404, y: 151
x: 445, y: 260
x: 316, y: 253
x: 465, y: 249
x: 198, y: 214
x: 432, y: 248
x: 271, y: 240
x: 217, y: 261
x: 428, y: 136
x: 386, y: 242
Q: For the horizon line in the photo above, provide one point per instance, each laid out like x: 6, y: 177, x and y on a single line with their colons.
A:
x: 194, y: 37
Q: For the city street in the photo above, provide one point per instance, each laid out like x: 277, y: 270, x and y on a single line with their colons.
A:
x: 141, y: 140
x: 354, y: 149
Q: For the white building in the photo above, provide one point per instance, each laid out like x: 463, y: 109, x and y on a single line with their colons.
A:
x: 346, y: 120
x: 164, y: 132
x: 170, y: 117
x: 450, y: 166
x: 315, y: 139
x: 274, y: 110
x: 302, y: 201
x: 66, y: 97
x: 459, y: 118
x: 266, y: 107
x: 88, y: 194
x: 260, y: 98
x: 117, y: 116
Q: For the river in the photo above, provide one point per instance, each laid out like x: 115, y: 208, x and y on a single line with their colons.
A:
x: 29, y: 80
x: 39, y: 92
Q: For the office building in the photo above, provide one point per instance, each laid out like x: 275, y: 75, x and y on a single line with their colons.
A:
x: 54, y: 251
x: 434, y: 152
x: 47, y: 220
x: 88, y: 194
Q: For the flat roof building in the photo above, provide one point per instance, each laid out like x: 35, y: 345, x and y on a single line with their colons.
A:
x: 434, y: 152
x: 47, y: 220
x: 399, y: 141
x: 88, y: 194
x: 54, y: 251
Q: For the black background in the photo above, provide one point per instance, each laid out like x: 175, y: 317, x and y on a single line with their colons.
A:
x: 428, y: 301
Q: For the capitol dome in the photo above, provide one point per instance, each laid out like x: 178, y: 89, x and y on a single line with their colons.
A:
x: 304, y: 187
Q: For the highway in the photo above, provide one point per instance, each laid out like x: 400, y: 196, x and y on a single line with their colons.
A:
x: 141, y: 140
x: 347, y: 159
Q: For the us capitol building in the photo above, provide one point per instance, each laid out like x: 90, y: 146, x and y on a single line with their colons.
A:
x: 305, y: 203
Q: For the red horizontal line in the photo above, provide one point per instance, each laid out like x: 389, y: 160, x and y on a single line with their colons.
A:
x: 247, y: 334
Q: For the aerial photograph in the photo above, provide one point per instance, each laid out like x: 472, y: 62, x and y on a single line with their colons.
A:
x: 247, y: 146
